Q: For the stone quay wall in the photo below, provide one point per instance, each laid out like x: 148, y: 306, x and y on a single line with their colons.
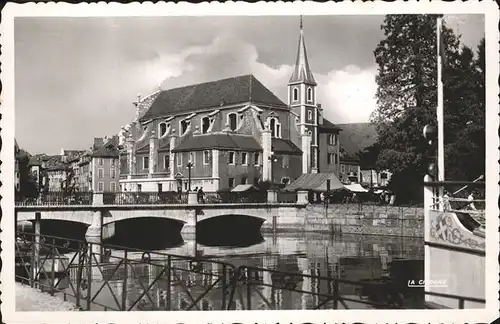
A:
x: 365, y: 219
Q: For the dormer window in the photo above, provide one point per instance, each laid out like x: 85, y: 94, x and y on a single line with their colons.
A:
x: 309, y: 94
x: 205, y: 125
x: 275, y: 127
x: 162, y: 129
x: 184, y: 126
x: 295, y: 94
x: 232, y: 120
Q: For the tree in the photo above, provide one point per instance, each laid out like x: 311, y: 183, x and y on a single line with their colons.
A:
x: 368, y: 156
x: 464, y: 94
x: 407, y: 97
x: 27, y: 183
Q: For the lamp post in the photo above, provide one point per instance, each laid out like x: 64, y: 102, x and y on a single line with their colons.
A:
x: 272, y: 159
x: 189, y: 166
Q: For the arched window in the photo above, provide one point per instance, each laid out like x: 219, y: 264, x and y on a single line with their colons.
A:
x: 309, y: 115
x: 309, y: 94
x: 275, y: 127
x: 184, y: 126
x: 272, y: 126
x: 233, y: 121
x: 295, y: 94
x: 162, y: 129
x: 205, y: 125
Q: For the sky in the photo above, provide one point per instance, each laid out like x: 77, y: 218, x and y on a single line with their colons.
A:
x: 77, y: 78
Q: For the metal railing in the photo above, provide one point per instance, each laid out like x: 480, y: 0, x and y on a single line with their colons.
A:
x: 144, y: 198
x: 102, y: 281
x: 58, y: 198
x: 323, y: 292
x: 235, y: 197
x: 102, y: 277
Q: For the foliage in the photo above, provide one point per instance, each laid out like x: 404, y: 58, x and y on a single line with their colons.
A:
x: 407, y: 100
x: 368, y: 156
x: 27, y: 182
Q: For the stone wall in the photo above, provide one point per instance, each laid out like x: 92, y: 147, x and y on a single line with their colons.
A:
x: 365, y: 219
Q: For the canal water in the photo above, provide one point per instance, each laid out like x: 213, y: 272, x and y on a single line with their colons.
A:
x: 348, y: 257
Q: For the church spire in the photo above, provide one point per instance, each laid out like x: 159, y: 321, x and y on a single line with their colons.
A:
x: 302, y: 73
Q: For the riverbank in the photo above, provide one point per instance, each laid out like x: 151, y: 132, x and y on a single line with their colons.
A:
x: 30, y: 299
x: 356, y: 219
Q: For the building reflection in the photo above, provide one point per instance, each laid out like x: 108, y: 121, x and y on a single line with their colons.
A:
x: 320, y: 257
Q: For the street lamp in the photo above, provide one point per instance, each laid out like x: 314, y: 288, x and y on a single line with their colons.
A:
x: 272, y: 159
x: 189, y: 166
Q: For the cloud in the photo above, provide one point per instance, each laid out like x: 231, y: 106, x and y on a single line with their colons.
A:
x: 76, y: 78
x: 347, y: 95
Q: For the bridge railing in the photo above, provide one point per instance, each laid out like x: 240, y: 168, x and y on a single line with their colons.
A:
x: 230, y: 197
x: 144, y: 198
x: 57, y: 198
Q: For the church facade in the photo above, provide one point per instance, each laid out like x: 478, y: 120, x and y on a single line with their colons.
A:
x: 217, y: 135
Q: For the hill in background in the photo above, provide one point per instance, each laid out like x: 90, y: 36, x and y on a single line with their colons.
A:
x: 355, y: 137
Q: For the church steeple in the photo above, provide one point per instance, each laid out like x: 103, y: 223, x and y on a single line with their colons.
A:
x: 302, y: 73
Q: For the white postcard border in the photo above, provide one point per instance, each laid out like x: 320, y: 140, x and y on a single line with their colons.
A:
x: 489, y: 9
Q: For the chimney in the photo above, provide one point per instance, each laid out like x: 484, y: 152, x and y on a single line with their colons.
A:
x: 98, y: 142
x: 320, y: 115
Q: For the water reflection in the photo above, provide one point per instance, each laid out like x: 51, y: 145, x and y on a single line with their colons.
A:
x: 348, y: 257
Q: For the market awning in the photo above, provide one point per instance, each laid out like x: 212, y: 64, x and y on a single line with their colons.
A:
x: 315, y: 182
x: 243, y: 187
x: 355, y: 187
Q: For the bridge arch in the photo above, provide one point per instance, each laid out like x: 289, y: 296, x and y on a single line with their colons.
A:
x: 229, y: 230
x: 71, y: 217
x: 143, y: 232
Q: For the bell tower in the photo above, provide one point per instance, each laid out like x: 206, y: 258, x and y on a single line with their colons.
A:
x: 302, y: 101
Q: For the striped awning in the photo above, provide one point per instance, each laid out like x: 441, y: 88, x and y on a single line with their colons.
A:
x: 315, y: 182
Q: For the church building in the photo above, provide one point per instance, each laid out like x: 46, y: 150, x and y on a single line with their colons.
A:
x: 223, y: 133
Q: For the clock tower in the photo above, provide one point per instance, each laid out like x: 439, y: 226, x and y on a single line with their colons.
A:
x: 302, y: 101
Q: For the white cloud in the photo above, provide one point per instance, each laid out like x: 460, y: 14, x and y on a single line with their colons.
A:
x: 347, y: 95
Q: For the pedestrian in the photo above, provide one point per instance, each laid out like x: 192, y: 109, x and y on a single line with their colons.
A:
x: 387, y: 197
x: 381, y: 198
x: 392, y: 200
x: 322, y: 197
x: 471, y: 201
x: 201, y: 195
x: 446, y: 200
x: 196, y: 189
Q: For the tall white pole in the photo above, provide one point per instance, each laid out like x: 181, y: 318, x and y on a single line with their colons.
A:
x: 440, y: 110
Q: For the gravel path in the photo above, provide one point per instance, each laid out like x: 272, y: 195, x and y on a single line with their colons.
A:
x: 30, y: 299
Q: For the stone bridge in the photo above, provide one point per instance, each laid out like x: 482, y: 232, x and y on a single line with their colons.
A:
x: 100, y: 218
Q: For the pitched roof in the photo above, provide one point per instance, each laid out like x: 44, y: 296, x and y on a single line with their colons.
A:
x: 51, y: 162
x: 328, y: 126
x: 349, y: 160
x: 315, y: 181
x: 143, y: 149
x: 212, y: 94
x: 107, y: 151
x: 221, y: 141
x: 355, y: 137
x: 280, y: 145
x: 302, y: 72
